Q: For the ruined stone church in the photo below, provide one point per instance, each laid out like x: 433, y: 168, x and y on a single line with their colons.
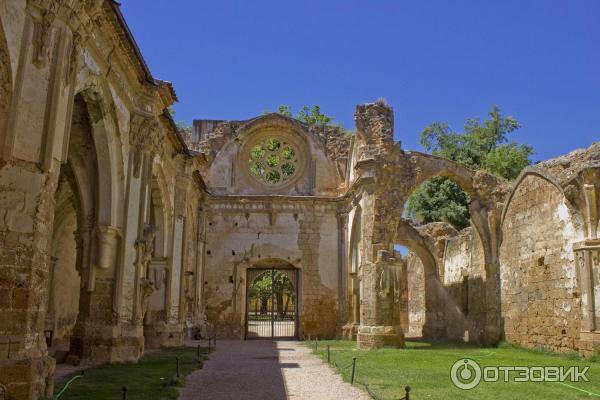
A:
x: 118, y: 234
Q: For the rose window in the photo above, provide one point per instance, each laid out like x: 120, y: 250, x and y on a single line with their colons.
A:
x: 273, y: 161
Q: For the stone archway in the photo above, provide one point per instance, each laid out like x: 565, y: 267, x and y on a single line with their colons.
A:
x: 74, y: 231
x: 88, y: 169
x: 408, y: 236
x: 484, y: 191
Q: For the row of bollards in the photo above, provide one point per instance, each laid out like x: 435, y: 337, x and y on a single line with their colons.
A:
x: 212, y: 344
x: 353, y: 371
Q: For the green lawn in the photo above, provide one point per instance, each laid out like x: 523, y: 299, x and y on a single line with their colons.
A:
x: 425, y: 366
x: 152, y: 378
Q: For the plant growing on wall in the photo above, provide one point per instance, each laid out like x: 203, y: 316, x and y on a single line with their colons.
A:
x: 308, y: 115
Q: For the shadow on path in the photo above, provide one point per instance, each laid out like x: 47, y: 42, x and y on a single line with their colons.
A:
x: 240, y: 370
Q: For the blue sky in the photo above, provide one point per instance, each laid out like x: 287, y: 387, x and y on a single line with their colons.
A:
x: 431, y: 60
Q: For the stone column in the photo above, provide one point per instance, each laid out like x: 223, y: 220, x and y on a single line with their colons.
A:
x: 587, y: 258
x: 485, y: 218
x: 381, y: 315
x: 169, y: 332
x: 342, y: 271
x: 92, y: 340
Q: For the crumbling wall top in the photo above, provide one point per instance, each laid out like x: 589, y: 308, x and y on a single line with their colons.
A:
x: 374, y: 128
x: 566, y: 168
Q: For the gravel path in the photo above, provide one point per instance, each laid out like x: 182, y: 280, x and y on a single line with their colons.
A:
x: 266, y: 370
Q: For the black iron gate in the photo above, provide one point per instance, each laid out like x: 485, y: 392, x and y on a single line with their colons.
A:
x: 272, y: 303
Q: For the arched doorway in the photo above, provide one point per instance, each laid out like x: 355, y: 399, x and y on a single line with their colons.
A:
x: 272, y: 302
x: 76, y: 204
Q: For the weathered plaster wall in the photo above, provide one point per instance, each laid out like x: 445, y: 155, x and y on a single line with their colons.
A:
x: 239, y: 235
x: 539, y: 290
x: 228, y: 150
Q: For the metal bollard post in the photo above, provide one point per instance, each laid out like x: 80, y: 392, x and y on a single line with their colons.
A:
x: 209, y: 339
x: 215, y: 342
x: 124, y: 392
x: 353, y: 370
x: 198, y: 352
x: 407, y: 389
x: 177, y: 366
x: 328, y: 355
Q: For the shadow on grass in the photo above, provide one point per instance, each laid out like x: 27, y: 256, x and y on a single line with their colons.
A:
x: 153, y: 377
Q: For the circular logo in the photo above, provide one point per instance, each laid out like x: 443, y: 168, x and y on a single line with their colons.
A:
x: 465, y: 374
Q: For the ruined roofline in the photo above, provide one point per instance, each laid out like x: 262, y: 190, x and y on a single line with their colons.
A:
x: 175, y: 135
x: 566, y: 167
x: 116, y: 8
x: 214, y: 123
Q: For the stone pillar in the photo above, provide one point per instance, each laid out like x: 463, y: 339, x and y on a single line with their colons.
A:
x: 352, y: 299
x: 342, y: 271
x: 587, y: 258
x: 403, y: 301
x: 380, y: 325
x: 485, y: 218
x: 108, y: 240
x: 199, y: 321
x: 169, y: 332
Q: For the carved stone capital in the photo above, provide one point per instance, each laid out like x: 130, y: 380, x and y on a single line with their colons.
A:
x: 590, y: 178
x: 108, y: 240
x: 144, y: 132
x: 42, y: 37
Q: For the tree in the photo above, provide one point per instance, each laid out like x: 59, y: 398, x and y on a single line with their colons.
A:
x: 481, y: 146
x: 273, y: 285
x: 283, y: 288
x: 261, y: 289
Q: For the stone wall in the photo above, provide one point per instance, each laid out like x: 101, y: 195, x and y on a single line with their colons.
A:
x: 244, y: 234
x: 464, y: 294
x: 539, y: 290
